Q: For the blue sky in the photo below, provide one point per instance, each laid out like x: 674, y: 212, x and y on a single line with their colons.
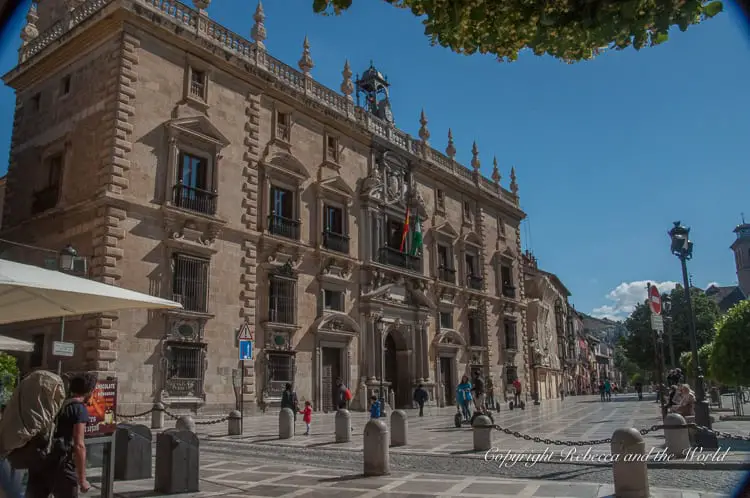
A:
x: 608, y: 153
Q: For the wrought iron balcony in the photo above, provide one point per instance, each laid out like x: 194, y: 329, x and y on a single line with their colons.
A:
x: 194, y: 199
x: 394, y: 257
x: 45, y: 199
x: 475, y: 282
x: 447, y: 274
x: 509, y: 291
x: 336, y: 242
x: 283, y: 227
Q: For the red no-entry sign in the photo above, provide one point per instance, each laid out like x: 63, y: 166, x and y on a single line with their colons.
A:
x: 654, y: 300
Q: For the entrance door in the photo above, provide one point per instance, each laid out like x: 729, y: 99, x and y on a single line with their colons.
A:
x: 330, y: 371
x: 446, y: 378
x: 391, y: 364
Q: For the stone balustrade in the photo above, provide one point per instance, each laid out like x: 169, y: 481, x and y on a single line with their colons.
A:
x: 256, y: 58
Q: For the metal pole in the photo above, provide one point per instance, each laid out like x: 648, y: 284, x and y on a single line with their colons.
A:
x: 62, y: 339
x: 701, y: 407
x: 242, y: 397
x: 672, y: 361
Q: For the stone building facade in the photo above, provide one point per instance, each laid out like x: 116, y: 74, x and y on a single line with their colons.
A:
x: 186, y: 162
x: 549, y: 331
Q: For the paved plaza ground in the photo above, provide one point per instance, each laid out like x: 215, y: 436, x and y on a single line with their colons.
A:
x: 438, y: 459
x: 249, y: 477
x: 575, y: 419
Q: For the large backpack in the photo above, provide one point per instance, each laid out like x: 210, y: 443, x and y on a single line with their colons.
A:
x: 28, y: 424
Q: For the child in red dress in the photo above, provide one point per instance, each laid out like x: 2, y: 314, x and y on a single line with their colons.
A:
x: 307, y: 416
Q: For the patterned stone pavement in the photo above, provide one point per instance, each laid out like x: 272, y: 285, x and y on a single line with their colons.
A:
x: 575, y: 419
x: 249, y: 478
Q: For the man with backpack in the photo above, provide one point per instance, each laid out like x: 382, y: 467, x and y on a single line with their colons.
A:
x: 62, y: 473
x: 343, y: 395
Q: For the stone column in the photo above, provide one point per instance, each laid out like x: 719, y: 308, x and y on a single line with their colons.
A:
x: 425, y: 351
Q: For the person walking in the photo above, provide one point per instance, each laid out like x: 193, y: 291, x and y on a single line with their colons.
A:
x: 375, y: 411
x: 516, y: 392
x: 420, y: 398
x: 601, y: 391
x: 608, y: 389
x: 639, y: 390
x: 289, y: 400
x: 479, y: 392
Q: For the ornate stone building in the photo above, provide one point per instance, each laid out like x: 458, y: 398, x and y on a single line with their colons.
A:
x: 187, y: 162
x: 549, y: 331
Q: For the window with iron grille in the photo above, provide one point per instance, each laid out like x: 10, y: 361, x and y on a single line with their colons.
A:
x: 283, y: 126
x: 190, y: 282
x: 446, y: 320
x: 511, y: 341
x: 511, y: 373
x: 281, y: 299
x: 280, y: 371
x: 48, y: 193
x: 475, y: 330
x: 184, y: 370
x: 332, y: 148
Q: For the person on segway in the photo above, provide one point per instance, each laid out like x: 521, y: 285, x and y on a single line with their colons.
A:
x: 464, y: 398
x: 517, y: 392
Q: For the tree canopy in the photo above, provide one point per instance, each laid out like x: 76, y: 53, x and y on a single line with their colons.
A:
x: 639, y: 343
x: 570, y: 30
x: 704, y: 355
x: 730, y: 361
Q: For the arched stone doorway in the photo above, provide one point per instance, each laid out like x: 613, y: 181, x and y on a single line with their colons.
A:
x: 396, y: 367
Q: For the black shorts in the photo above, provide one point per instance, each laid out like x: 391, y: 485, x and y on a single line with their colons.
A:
x: 63, y: 485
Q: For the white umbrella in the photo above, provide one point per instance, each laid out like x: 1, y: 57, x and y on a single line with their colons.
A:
x: 16, y: 345
x: 30, y: 293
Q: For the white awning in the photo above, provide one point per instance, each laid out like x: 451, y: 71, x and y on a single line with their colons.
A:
x: 31, y: 293
x: 15, y: 345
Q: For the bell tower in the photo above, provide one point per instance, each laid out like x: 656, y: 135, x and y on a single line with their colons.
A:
x: 373, y: 87
x: 741, y: 248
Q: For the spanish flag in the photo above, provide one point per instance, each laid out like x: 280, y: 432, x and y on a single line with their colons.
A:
x: 405, y: 232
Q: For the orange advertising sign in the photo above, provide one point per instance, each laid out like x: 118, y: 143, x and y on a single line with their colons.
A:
x: 102, y: 406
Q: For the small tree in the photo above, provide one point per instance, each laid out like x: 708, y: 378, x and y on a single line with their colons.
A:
x: 8, y: 376
x: 730, y: 361
x: 704, y: 356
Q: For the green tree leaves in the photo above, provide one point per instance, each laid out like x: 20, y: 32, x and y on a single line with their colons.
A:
x: 730, y: 361
x: 570, y: 30
x: 639, y: 344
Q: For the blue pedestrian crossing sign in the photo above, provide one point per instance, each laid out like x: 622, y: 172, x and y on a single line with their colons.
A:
x: 246, y: 350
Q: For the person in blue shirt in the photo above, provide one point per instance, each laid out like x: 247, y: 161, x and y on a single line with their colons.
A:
x: 464, y: 398
x: 374, y: 407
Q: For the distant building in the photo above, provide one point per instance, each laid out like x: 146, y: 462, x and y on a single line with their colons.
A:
x: 727, y: 296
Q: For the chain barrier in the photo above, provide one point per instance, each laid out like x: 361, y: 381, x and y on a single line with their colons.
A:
x: 172, y: 416
x: 559, y: 442
x: 724, y: 435
x: 137, y: 415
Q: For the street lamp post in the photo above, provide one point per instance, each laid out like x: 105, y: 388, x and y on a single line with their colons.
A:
x: 666, y: 303
x: 682, y: 247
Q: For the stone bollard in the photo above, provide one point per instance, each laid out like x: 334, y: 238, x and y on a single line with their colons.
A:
x: 343, y: 426
x: 676, y: 435
x: 185, y: 423
x: 629, y: 467
x: 235, y: 423
x: 398, y: 428
x: 286, y: 423
x: 157, y: 416
x: 482, y: 429
x: 376, y: 456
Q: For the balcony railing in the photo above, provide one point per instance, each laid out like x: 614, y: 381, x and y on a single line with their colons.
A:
x: 475, y: 282
x: 194, y: 199
x: 394, y: 257
x: 336, y: 242
x: 283, y: 227
x: 45, y: 199
x: 509, y: 291
x: 447, y: 274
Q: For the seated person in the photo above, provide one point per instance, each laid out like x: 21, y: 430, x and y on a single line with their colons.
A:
x: 686, y: 405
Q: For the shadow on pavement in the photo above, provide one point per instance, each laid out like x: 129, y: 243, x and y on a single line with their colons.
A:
x: 354, y: 477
